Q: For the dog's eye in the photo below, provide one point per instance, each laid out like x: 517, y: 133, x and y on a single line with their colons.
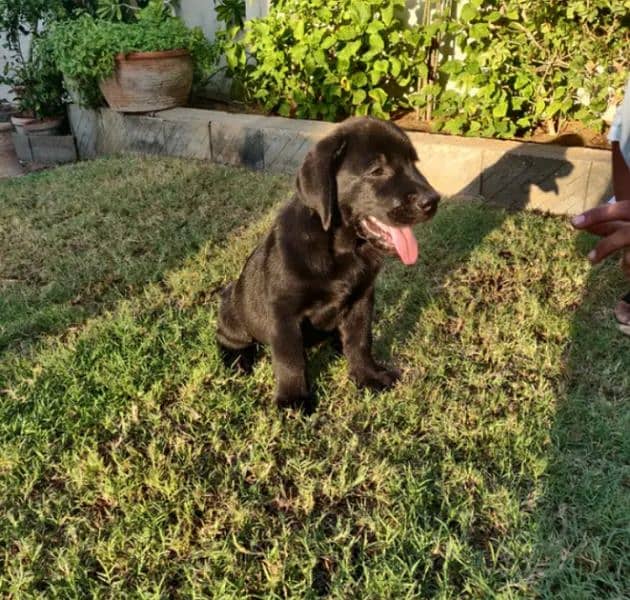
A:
x: 376, y: 171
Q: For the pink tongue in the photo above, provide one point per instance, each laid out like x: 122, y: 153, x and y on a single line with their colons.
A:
x: 405, y: 243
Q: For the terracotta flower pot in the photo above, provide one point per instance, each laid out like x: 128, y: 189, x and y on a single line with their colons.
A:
x: 25, y: 125
x: 149, y: 81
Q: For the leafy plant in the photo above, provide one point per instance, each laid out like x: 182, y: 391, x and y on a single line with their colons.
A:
x: 127, y: 10
x: 329, y: 59
x: 84, y: 49
x: 497, y: 68
x: 230, y: 12
x: 521, y: 64
x: 39, y: 90
x: 29, y: 71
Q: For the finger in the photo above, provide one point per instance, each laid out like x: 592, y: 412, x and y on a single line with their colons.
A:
x: 606, y: 246
x: 608, y: 212
x: 603, y: 229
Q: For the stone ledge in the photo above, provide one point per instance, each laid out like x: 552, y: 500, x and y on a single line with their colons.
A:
x: 45, y: 149
x: 512, y: 174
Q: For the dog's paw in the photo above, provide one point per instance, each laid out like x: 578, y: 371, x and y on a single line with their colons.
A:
x: 376, y: 379
x: 304, y: 403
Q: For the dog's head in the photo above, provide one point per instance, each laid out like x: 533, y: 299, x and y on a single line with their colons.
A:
x: 363, y: 175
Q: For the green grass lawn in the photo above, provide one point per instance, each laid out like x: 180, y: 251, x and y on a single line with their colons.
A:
x: 132, y: 464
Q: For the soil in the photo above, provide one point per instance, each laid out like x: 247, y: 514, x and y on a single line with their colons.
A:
x: 572, y: 133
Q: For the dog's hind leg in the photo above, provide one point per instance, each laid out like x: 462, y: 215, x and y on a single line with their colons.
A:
x: 236, y: 347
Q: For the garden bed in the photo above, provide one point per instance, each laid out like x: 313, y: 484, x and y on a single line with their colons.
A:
x: 134, y: 464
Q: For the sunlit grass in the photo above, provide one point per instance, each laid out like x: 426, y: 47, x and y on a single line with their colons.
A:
x: 133, y: 464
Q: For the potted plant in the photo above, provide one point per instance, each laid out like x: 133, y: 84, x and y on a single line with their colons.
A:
x: 31, y: 72
x: 143, y: 65
x: 38, y: 90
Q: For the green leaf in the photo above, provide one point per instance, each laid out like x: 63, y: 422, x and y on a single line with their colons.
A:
x: 553, y: 108
x: 375, y: 27
x: 396, y: 66
x: 328, y: 42
x: 298, y: 30
x: 376, y: 43
x: 382, y: 66
x: 469, y: 12
x: 362, y: 12
x: 452, y: 67
x: 376, y: 110
x: 349, y: 51
x: 559, y: 92
x: 378, y: 94
x: 479, y: 31
x: 347, y: 33
x: 359, y: 96
x: 387, y: 14
x: 375, y: 77
x: 359, y: 79
x: 500, y: 109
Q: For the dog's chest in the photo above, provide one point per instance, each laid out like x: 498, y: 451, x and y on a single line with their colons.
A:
x: 347, y: 285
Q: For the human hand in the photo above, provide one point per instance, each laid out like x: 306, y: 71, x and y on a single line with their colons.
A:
x: 612, y: 223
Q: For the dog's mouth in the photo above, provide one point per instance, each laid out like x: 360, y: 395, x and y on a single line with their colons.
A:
x: 398, y: 241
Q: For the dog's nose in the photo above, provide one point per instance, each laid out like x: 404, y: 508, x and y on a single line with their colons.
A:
x: 427, y: 201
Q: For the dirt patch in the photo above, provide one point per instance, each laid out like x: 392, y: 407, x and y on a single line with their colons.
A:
x: 572, y: 133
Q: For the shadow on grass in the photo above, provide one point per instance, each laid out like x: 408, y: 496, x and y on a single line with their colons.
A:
x: 583, y: 516
x: 583, y: 550
x: 138, y: 431
x: 457, y: 231
x: 507, y: 184
x: 68, y: 252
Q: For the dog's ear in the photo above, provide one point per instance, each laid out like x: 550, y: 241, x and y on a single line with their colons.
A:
x: 316, y: 180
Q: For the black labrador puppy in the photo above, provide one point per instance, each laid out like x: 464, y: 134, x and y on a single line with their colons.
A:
x: 358, y: 194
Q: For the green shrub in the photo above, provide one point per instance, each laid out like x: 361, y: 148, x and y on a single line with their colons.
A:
x: 85, y: 48
x: 322, y: 59
x: 38, y: 84
x: 230, y: 12
x: 523, y: 64
x: 29, y: 70
x: 518, y: 64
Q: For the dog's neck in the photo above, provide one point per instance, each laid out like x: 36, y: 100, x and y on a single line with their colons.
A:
x: 346, y: 241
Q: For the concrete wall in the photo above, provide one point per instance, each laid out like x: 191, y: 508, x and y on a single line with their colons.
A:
x: 5, y: 94
x: 200, y: 13
x: 255, y: 9
x: 5, y: 57
x: 512, y: 174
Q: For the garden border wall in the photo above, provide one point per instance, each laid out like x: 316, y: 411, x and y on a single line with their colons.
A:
x: 561, y: 180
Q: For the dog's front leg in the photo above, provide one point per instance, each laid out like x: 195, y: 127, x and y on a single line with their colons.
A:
x: 289, y: 365
x: 356, y: 337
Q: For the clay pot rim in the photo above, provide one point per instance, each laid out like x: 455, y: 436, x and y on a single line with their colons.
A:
x: 156, y: 54
x: 28, y: 120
